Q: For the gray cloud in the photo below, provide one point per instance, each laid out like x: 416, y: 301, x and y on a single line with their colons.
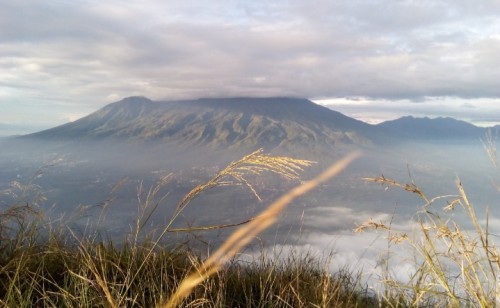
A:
x: 82, y: 54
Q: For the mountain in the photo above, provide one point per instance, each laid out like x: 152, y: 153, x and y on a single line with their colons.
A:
x: 415, y: 129
x: 287, y: 123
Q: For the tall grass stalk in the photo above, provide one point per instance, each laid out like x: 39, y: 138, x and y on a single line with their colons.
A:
x: 42, y: 264
x: 454, y: 266
x: 246, y: 233
x: 254, y: 163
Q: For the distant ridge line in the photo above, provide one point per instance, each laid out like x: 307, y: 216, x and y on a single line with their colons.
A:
x: 274, y: 122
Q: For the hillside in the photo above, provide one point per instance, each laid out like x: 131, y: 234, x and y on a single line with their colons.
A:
x: 287, y: 123
x: 415, y: 129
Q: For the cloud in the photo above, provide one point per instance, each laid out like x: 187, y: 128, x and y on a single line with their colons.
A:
x: 479, y: 111
x: 88, y: 52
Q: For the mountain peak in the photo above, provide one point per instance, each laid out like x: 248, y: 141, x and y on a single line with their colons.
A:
x: 255, y: 100
x: 275, y: 122
x: 132, y: 101
x: 432, y: 128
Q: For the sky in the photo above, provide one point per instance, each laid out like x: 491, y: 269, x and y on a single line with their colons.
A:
x: 371, y: 59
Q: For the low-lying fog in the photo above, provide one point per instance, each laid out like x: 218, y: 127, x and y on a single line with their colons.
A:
x: 78, y: 182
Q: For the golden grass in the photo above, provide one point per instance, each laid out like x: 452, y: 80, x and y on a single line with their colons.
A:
x: 455, y: 266
x: 255, y: 163
x: 246, y: 233
x: 62, y: 271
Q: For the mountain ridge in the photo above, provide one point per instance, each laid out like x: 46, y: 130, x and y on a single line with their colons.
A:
x: 274, y: 122
x: 417, y: 128
x: 229, y: 122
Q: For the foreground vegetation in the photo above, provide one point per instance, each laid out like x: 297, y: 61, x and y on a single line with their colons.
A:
x: 47, y: 265
x: 97, y: 275
x: 452, y: 251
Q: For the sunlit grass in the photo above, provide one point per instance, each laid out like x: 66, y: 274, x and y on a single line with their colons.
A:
x: 46, y: 265
x: 43, y: 264
x: 456, y: 262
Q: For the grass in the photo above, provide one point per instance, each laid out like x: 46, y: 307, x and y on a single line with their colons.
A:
x: 55, y: 276
x: 48, y: 265
x: 44, y: 265
x: 455, y: 260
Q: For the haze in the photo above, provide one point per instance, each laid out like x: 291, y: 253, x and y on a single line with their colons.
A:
x: 142, y: 141
x: 62, y: 62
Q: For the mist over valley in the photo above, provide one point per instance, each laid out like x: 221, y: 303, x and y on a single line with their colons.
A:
x: 136, y: 142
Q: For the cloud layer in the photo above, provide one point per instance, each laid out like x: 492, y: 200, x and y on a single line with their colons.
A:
x: 66, y: 58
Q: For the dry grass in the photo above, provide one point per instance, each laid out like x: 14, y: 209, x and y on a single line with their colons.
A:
x: 62, y: 269
x: 490, y: 148
x: 246, y: 233
x: 454, y: 266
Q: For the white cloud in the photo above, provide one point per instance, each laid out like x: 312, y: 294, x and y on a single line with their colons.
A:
x: 479, y: 111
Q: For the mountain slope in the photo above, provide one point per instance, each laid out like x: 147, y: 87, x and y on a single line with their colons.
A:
x: 231, y: 122
x: 412, y: 128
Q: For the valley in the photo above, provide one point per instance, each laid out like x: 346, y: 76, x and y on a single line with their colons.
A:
x: 136, y: 142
